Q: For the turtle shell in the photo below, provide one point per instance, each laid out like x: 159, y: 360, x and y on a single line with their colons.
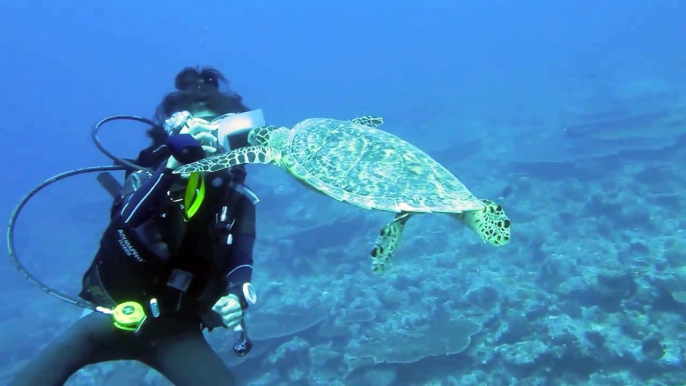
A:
x: 372, y: 169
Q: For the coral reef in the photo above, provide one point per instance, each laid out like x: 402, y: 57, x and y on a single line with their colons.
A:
x: 591, y: 290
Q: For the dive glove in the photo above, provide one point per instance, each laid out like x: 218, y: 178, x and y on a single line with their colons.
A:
x: 185, y: 149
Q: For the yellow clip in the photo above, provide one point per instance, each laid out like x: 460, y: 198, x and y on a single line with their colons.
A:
x: 194, y: 195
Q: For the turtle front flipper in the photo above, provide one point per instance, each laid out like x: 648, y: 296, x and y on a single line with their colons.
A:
x: 490, y: 223
x: 388, y: 242
x: 243, y: 155
x: 368, y: 120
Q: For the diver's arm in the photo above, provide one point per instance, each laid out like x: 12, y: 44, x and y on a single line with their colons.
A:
x: 243, y: 232
x: 138, y: 204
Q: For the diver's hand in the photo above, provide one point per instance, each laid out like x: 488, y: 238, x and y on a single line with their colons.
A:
x: 182, y: 122
x: 229, y: 308
x: 186, y: 149
x: 204, y: 132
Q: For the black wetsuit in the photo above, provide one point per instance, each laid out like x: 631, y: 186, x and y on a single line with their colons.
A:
x: 149, y: 251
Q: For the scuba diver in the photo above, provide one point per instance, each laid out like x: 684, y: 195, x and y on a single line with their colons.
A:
x: 176, y: 257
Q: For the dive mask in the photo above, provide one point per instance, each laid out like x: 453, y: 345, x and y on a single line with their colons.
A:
x: 233, y: 129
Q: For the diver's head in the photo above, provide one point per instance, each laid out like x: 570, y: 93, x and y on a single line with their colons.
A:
x: 197, y: 91
x: 191, y: 77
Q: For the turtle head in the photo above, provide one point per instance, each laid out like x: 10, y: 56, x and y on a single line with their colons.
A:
x: 269, y: 136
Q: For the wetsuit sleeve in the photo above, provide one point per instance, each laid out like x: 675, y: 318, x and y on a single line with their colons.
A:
x: 243, y: 231
x: 138, y: 203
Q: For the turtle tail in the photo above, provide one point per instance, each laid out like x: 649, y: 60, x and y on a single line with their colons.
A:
x: 388, y: 242
x: 490, y: 223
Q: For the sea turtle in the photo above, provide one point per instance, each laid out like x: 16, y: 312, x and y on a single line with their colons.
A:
x: 354, y: 162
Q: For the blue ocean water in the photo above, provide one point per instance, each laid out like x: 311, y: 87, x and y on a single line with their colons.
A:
x: 570, y: 114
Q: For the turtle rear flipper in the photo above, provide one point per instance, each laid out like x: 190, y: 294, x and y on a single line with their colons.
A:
x: 243, y: 155
x: 388, y: 242
x: 490, y: 223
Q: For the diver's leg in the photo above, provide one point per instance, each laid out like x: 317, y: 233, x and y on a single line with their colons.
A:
x: 187, y: 359
x: 92, y: 339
